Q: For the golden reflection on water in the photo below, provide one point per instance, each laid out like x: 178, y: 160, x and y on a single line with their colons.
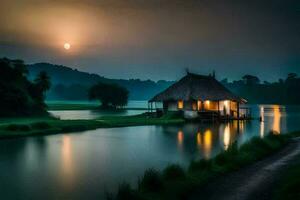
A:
x: 199, y: 140
x: 241, y: 126
x: 207, y: 143
x: 262, y: 123
x: 276, y: 120
x: 180, y: 138
x: 226, y: 138
x: 67, y: 162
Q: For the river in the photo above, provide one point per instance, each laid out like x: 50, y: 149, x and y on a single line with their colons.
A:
x: 85, y: 165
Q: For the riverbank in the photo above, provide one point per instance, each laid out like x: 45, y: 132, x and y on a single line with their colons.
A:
x: 175, y: 182
x: 20, y: 127
x: 261, y: 180
x: 77, y: 105
x: 288, y: 183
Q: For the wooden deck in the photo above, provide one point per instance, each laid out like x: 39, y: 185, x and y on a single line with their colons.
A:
x: 208, y: 116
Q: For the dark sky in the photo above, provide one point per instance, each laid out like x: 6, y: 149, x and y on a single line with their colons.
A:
x: 156, y: 39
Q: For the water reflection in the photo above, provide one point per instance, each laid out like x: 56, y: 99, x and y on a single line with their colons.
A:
x: 271, y: 116
x: 276, y: 120
x: 207, y: 143
x: 91, y: 114
x: 226, y: 139
x: 204, y: 139
x: 67, y: 161
x: 80, y: 166
x: 262, y: 121
x: 199, y: 140
x: 180, y: 139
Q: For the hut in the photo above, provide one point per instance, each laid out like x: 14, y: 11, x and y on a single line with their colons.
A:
x: 197, y: 96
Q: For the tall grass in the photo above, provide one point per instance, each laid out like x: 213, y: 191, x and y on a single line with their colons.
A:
x: 176, y: 183
x: 288, y: 187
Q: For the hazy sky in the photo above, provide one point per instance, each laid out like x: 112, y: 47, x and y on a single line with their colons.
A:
x: 156, y: 39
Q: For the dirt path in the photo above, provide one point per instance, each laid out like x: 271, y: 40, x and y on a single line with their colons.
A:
x: 257, y: 181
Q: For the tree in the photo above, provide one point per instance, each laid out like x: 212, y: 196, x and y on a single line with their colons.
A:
x: 110, y: 95
x: 291, y: 76
x: 19, y: 96
x: 224, y: 81
x: 251, y: 80
x: 20, y: 67
x: 42, y: 81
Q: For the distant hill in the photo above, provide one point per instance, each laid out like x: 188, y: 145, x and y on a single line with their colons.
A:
x: 71, y: 84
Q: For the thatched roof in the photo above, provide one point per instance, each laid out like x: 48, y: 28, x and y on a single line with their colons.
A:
x: 196, y: 87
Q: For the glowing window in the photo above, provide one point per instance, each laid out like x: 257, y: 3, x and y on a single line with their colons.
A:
x: 207, y: 105
x: 199, y: 103
x: 180, y: 104
x: 194, y: 105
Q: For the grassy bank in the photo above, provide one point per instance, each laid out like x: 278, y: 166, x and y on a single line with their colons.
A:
x: 289, y: 184
x: 33, y: 126
x: 79, y: 106
x: 288, y: 188
x: 15, y: 127
x: 176, y: 183
x: 142, y: 119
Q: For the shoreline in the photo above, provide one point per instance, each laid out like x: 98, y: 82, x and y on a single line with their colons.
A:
x: 175, y: 182
x: 24, y: 127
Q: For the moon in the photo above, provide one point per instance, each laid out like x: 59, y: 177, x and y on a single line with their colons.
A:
x: 67, y: 46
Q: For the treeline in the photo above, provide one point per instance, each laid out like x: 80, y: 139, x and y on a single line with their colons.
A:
x: 283, y: 91
x: 138, y: 89
x: 71, y: 84
x: 18, y: 95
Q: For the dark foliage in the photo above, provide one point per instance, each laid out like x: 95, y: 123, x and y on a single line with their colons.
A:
x: 125, y: 192
x: 151, y: 181
x: 40, y: 125
x: 19, y: 96
x: 200, y: 165
x: 71, y: 84
x: 280, y: 92
x: 18, y: 127
x: 110, y: 95
x: 173, y: 172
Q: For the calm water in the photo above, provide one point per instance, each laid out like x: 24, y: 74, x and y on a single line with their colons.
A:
x: 93, y: 114
x: 84, y: 165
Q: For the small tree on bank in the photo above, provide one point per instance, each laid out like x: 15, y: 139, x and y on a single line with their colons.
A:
x: 110, y: 95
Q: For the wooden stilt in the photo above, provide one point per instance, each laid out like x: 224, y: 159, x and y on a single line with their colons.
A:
x: 238, y: 110
x: 219, y: 108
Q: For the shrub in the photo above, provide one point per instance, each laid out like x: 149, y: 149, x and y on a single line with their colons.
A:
x: 244, y: 158
x: 18, y: 127
x: 173, y: 172
x: 12, y: 127
x: 40, y: 125
x: 125, y: 192
x: 151, y: 181
x: 200, y: 165
x: 70, y: 128
x: 227, y: 157
x: 258, y: 147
